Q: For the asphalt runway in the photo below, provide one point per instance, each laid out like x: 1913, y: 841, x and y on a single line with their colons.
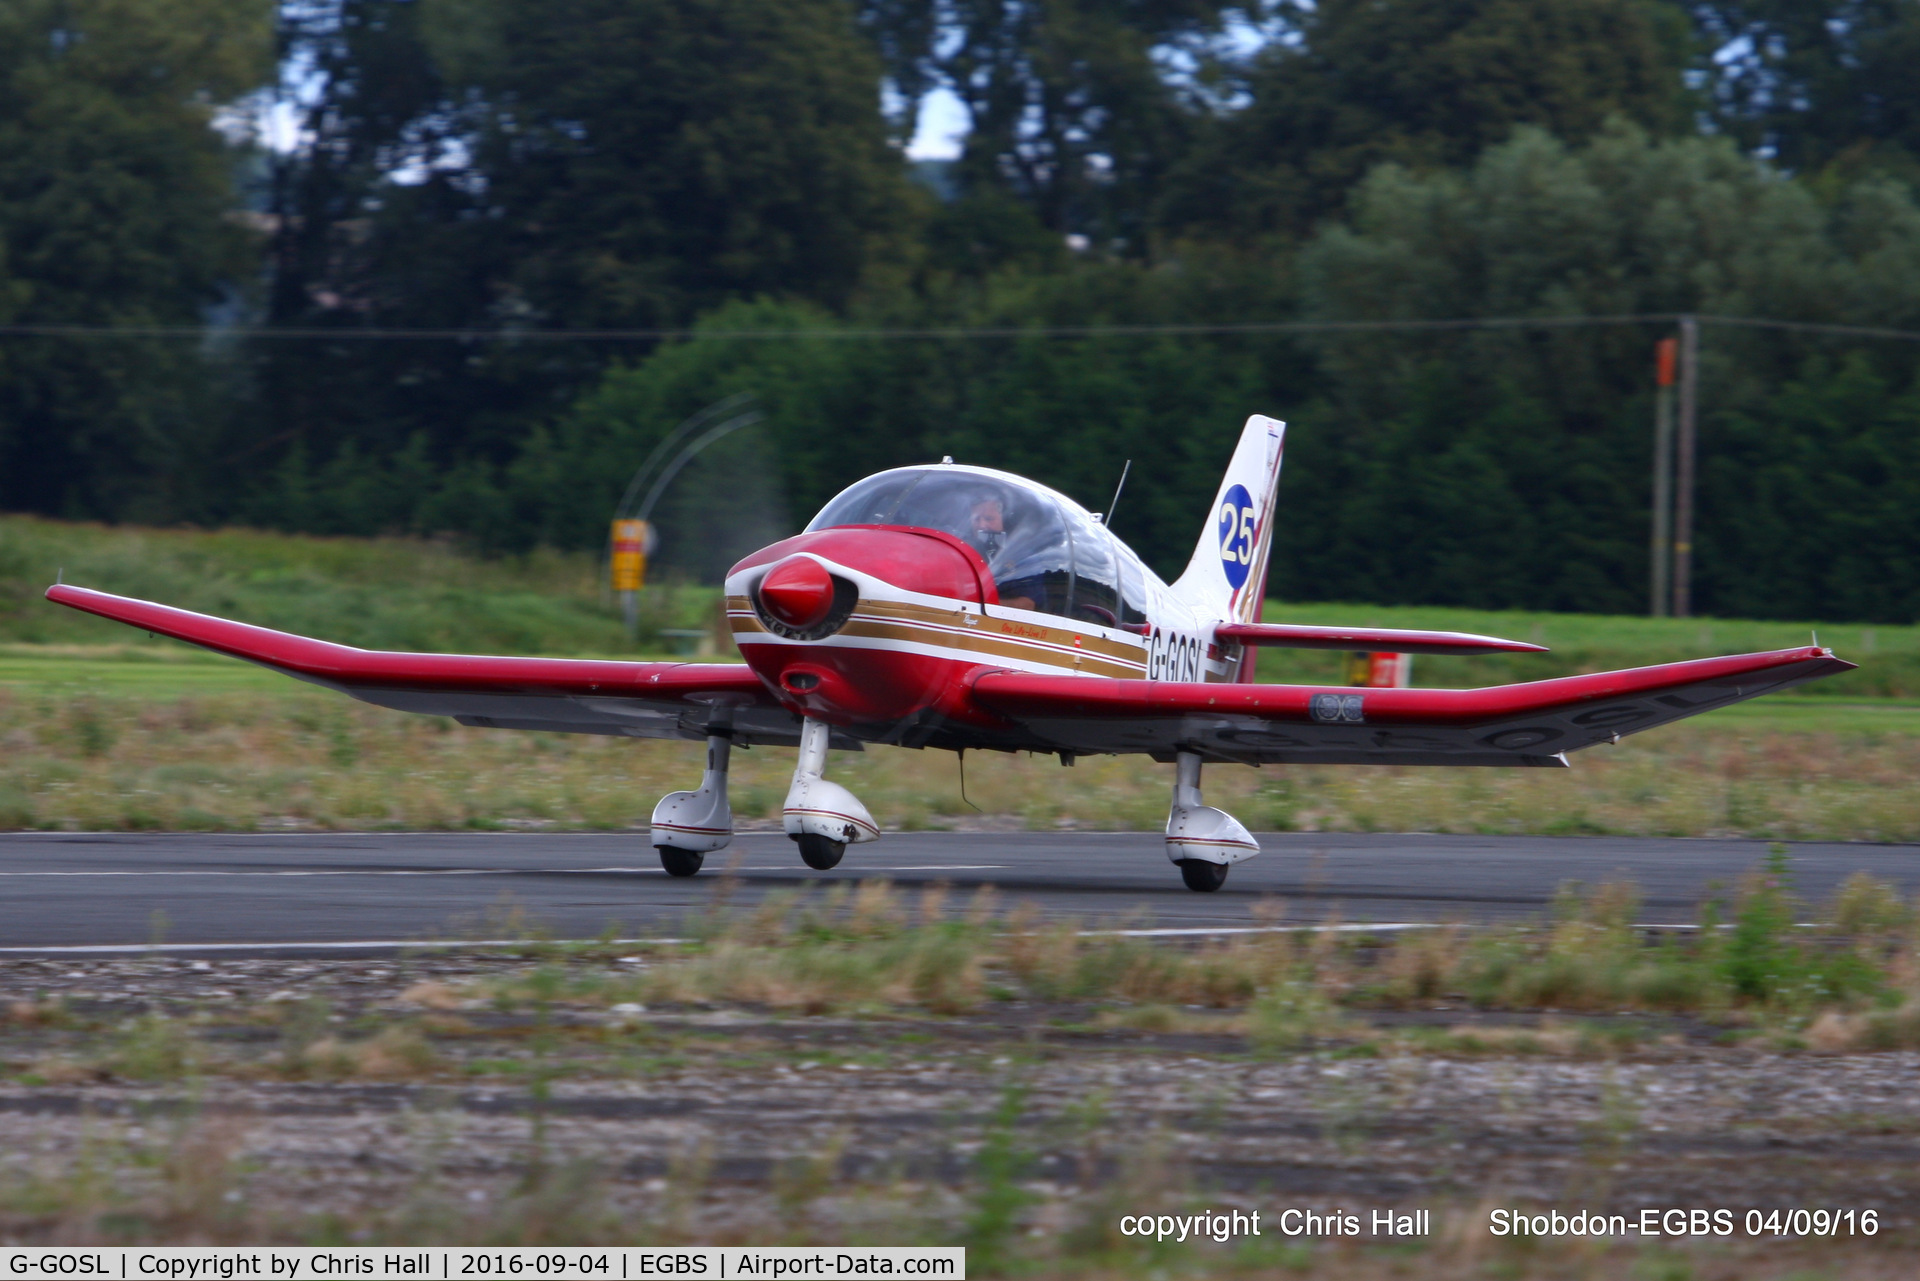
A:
x: 325, y: 890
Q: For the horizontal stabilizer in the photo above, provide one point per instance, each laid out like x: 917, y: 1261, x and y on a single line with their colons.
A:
x: 1534, y: 723
x: 567, y: 695
x: 1378, y: 639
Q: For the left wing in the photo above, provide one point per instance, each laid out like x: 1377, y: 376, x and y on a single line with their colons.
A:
x: 1535, y: 723
x: 568, y: 695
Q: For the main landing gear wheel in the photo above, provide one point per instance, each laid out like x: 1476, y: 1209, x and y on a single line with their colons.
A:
x: 819, y: 853
x: 1201, y: 875
x: 680, y: 862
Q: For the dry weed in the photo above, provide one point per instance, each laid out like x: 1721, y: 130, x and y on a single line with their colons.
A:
x: 1869, y: 911
x: 396, y: 1053
x: 1162, y: 1019
x: 1420, y: 965
x: 60, y: 1069
x: 1839, y: 1032
x: 37, y: 1012
x: 1550, y: 1037
x: 433, y: 995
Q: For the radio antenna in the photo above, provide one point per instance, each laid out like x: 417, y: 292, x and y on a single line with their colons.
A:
x: 1107, y: 520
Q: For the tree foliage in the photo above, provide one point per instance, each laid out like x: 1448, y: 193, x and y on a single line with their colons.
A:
x: 502, y: 166
x: 1068, y: 106
x: 114, y: 203
x: 513, y: 172
x: 1813, y: 82
x: 1510, y: 466
x: 1500, y: 468
x: 1427, y: 84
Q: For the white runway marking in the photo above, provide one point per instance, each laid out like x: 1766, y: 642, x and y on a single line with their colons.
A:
x: 451, y: 871
x: 923, y: 867
x: 488, y: 871
x: 136, y: 949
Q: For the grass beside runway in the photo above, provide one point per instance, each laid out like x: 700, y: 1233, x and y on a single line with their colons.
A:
x: 378, y: 593
x: 419, y: 594
x: 101, y: 727
x: 265, y: 753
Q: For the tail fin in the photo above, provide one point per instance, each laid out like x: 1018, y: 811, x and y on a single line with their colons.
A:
x: 1227, y: 577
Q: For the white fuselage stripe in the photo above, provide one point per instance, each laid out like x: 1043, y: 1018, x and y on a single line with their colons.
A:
x: 923, y: 649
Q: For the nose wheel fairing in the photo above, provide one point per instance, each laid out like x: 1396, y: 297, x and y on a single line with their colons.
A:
x: 1202, y: 841
x: 818, y: 811
x: 687, y: 826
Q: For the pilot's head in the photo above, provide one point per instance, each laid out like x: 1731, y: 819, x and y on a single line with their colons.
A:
x: 986, y: 525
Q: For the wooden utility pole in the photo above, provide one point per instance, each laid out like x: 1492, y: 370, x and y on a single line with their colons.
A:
x: 1684, y: 471
x: 1660, y: 587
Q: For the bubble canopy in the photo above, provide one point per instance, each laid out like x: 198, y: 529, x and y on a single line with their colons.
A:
x: 1045, y: 551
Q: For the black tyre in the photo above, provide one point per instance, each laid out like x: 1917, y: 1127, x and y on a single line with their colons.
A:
x: 680, y: 862
x: 1203, y: 876
x: 819, y: 853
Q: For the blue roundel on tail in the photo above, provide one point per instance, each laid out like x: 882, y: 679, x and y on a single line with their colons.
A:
x: 1236, y: 535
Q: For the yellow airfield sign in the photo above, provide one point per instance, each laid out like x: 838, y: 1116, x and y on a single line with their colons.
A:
x: 632, y: 540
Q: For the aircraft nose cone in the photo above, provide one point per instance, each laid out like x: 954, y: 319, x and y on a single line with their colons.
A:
x: 798, y: 592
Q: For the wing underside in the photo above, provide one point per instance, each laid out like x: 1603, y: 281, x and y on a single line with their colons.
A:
x: 1532, y: 724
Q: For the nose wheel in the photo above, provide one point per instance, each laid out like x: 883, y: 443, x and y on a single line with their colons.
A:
x: 819, y: 852
x: 1203, y: 842
x: 822, y: 818
x: 680, y: 862
x: 1203, y: 876
x: 687, y: 826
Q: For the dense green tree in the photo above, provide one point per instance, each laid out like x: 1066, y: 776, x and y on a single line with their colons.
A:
x: 116, y: 204
x: 1071, y: 108
x: 1810, y: 497
x: 1505, y: 467
x: 505, y: 166
x: 1068, y: 412
x: 1499, y: 468
x: 1427, y: 84
x: 645, y: 160
x: 1812, y: 82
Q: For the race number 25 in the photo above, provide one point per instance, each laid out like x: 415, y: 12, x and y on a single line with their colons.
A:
x: 1237, y: 535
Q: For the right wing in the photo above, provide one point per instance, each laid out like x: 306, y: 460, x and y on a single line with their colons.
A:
x: 566, y: 695
x: 1535, y: 723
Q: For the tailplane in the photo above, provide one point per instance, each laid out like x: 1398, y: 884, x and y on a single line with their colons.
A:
x: 1227, y: 577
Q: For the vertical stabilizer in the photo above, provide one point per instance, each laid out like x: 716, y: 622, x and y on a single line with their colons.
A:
x: 1227, y: 577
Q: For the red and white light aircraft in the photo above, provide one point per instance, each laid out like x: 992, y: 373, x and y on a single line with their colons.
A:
x: 961, y: 608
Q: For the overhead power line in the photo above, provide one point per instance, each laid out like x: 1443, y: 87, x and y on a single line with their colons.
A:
x: 955, y: 332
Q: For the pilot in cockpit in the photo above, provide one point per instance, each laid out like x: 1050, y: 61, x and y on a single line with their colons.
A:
x: 987, y: 527
x: 987, y: 532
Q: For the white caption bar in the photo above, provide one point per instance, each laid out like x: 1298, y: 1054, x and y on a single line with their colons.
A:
x: 377, y: 1263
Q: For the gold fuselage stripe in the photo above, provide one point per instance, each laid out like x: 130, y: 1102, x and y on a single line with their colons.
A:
x: 989, y: 637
